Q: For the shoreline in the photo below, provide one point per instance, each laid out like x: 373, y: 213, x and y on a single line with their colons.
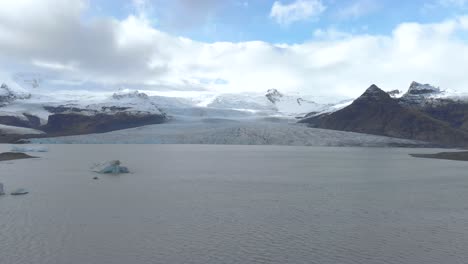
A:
x: 8, y: 156
x: 456, y: 156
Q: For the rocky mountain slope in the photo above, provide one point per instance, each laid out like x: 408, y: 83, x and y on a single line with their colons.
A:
x: 448, y: 106
x: 376, y: 112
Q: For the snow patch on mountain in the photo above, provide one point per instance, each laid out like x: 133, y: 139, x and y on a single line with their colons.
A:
x: 254, y: 102
x: 296, y: 104
x: 273, y: 102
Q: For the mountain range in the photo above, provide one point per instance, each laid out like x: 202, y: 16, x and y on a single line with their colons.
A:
x: 424, y: 113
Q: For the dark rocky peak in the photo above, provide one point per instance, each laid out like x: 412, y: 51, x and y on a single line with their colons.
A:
x: 273, y: 95
x: 419, y: 95
x: 374, y: 93
x: 422, y: 89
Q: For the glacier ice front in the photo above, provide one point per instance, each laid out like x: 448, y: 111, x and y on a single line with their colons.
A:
x: 110, y: 167
x: 29, y: 148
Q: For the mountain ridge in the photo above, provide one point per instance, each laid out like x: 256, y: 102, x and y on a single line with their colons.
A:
x: 375, y: 112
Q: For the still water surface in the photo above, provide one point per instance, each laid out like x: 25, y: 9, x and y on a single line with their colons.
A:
x: 234, y: 204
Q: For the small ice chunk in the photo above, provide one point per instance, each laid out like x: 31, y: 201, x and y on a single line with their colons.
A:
x: 20, y: 191
x: 110, y: 167
x: 29, y: 148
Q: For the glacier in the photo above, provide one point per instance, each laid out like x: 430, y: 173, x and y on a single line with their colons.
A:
x: 247, y: 131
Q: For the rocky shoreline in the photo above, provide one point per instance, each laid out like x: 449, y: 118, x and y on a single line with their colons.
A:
x: 458, y: 156
x: 6, y: 156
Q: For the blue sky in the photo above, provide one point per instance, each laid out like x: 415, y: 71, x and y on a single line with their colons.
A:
x: 247, y: 20
x: 313, y: 47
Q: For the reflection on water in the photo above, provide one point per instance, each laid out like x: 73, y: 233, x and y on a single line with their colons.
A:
x: 233, y: 204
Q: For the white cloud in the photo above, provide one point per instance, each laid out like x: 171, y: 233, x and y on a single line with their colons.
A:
x: 55, y: 40
x: 358, y: 8
x: 286, y: 14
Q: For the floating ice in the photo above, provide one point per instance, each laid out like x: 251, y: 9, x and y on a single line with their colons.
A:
x: 110, y: 167
x: 20, y: 191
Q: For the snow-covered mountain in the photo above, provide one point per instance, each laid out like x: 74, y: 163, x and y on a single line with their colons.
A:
x: 293, y: 105
x: 74, y: 112
x: 130, y: 102
x: 273, y: 102
x: 45, y: 92
x: 422, y: 94
x: 9, y: 94
x: 246, y: 102
x: 30, y: 95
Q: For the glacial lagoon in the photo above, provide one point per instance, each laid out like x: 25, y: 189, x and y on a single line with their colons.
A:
x: 234, y: 204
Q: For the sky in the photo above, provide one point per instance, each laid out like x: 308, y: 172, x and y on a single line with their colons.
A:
x: 312, y: 47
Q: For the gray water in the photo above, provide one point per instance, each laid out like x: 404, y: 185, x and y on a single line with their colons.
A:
x: 234, y: 204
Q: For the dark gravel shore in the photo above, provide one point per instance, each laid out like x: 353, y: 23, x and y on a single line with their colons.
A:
x: 461, y: 156
x: 14, y: 156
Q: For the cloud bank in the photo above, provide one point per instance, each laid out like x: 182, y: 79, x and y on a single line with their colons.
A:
x: 54, y: 37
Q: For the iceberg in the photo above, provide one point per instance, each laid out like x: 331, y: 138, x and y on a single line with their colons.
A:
x: 110, y: 167
x: 20, y: 191
x: 2, y: 191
